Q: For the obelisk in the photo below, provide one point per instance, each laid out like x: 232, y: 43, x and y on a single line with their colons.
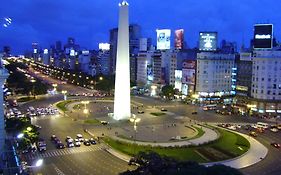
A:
x: 122, y: 101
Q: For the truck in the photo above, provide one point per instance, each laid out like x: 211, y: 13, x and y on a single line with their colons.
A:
x: 41, y: 145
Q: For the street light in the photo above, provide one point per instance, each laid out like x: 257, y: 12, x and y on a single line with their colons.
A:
x: 135, y: 120
x: 64, y: 95
x: 85, y: 111
x: 20, y: 135
x: 33, y: 81
x: 55, y: 86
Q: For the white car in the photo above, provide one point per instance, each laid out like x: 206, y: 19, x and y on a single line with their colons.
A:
x: 232, y: 127
x: 77, y: 144
x: 274, y: 129
x: 80, y: 137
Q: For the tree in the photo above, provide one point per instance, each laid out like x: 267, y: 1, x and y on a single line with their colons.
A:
x: 168, y: 91
x: 153, y: 164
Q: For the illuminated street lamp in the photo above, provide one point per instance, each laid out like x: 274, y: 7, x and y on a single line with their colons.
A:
x: 29, y: 129
x: 20, y: 135
x: 55, y: 86
x: 64, y: 95
x: 33, y: 81
x: 85, y: 111
x: 100, y: 78
x: 135, y: 120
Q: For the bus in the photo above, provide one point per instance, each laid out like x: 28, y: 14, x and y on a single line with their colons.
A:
x: 262, y: 125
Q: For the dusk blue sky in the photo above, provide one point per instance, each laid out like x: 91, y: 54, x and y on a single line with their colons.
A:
x: 89, y: 21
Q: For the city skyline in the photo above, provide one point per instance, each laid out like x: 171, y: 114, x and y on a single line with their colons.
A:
x: 80, y: 21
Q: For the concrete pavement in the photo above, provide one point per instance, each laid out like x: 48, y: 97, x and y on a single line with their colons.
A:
x: 255, y: 154
x: 208, y: 136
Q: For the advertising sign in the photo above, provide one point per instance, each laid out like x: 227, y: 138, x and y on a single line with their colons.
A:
x: 104, y: 46
x: 208, y: 41
x: 179, y: 38
x: 263, y: 36
x: 163, y: 39
x: 188, y: 72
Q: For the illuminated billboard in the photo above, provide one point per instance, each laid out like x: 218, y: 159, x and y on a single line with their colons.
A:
x: 104, y: 46
x: 46, y: 51
x: 208, y: 41
x: 178, y: 80
x: 263, y: 36
x: 163, y: 39
x: 179, y: 38
x: 72, y: 52
x: 188, y: 72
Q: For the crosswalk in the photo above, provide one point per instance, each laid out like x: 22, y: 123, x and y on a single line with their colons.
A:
x: 61, y: 152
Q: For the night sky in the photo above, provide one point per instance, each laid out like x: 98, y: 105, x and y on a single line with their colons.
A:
x: 89, y: 21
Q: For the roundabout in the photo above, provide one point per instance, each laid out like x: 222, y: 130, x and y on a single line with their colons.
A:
x: 168, y: 135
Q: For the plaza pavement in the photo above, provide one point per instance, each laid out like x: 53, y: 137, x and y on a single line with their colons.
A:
x: 256, y: 153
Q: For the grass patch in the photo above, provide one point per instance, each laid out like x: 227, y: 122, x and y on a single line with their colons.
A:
x: 177, y: 153
x: 158, y: 113
x: 226, y: 147
x: 62, y: 105
x: 92, y: 121
x: 199, y: 134
x: 25, y: 99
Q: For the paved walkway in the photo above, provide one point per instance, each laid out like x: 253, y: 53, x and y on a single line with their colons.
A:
x: 209, y: 135
x: 255, y: 154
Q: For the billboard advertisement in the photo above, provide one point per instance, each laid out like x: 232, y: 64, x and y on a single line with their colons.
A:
x: 178, y: 79
x: 263, y: 36
x: 208, y: 41
x: 188, y: 72
x: 163, y: 39
x: 104, y: 46
x: 179, y: 38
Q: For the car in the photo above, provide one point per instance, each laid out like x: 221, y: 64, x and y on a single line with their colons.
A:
x: 274, y: 130
x: 247, y: 127
x: 77, y: 143
x: 60, y: 145
x: 253, y: 134
x: 70, y: 143
x: 53, y: 137
x: 67, y: 138
x: 80, y: 137
x: 232, y: 127
x: 276, y: 145
x: 194, y: 112
x: 104, y: 122
x: 238, y: 126
x: 87, y: 142
x: 260, y: 130
x: 163, y: 109
x: 93, y: 142
x: 140, y: 112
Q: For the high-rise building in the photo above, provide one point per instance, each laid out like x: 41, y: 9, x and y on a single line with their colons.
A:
x: 3, y: 76
x: 134, y: 39
x: 122, y: 101
x: 266, y: 81
x: 215, y: 76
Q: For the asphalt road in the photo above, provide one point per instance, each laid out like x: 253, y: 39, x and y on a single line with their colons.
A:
x: 96, y: 161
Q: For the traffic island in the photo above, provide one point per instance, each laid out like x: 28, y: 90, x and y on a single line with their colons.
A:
x: 228, y: 146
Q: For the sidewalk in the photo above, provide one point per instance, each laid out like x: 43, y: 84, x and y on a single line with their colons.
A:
x: 209, y: 135
x: 255, y: 154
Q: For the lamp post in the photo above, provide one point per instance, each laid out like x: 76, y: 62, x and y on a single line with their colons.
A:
x: 55, y: 86
x: 64, y: 95
x: 33, y: 81
x: 135, y: 120
x: 85, y: 111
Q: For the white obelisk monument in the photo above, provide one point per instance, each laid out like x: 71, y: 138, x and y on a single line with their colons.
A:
x: 122, y: 101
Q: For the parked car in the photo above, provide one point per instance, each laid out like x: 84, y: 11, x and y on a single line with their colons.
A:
x: 93, y: 142
x: 194, y: 112
x: 163, y: 109
x: 140, y: 112
x: 87, y: 142
x: 80, y: 137
x: 60, y: 145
